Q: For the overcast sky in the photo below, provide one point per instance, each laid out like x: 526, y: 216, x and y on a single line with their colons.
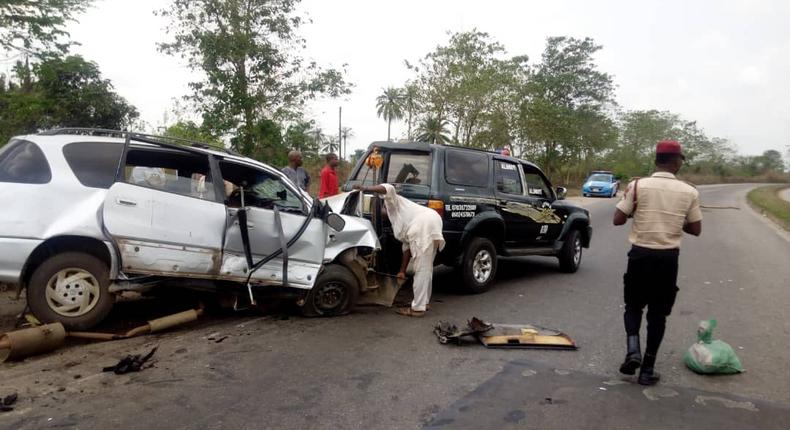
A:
x: 724, y: 64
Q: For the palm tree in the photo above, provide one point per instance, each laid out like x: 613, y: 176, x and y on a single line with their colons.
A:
x: 345, y: 133
x: 389, y: 105
x: 433, y: 130
x: 410, y: 94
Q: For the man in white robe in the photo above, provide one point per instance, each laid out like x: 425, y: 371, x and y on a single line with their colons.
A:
x: 419, y: 229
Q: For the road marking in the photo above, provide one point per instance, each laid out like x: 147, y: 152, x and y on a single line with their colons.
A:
x: 727, y: 403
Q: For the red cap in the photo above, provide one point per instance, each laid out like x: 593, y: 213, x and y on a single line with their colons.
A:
x: 670, y: 147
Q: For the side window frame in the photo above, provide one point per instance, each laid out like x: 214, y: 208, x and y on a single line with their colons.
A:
x: 209, y: 182
x: 518, y: 171
x: 273, y: 174
x: 531, y: 170
x: 13, y: 145
x: 485, y: 156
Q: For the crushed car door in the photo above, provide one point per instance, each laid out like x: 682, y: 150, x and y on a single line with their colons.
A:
x: 163, y: 215
x: 261, y: 192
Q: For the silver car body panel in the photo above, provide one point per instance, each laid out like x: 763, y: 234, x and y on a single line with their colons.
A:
x: 14, y: 252
x: 163, y: 233
x: 358, y: 232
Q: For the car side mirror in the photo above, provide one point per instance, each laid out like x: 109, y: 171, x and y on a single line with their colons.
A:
x: 336, y: 221
x: 561, y: 193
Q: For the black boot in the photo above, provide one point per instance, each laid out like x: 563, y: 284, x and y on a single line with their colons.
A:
x: 633, y: 359
x: 648, y: 375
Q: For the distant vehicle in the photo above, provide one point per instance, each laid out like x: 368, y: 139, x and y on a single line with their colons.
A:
x: 601, y: 183
x: 98, y: 212
x: 491, y: 205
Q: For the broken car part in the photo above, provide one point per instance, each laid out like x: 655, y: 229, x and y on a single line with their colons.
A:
x: 504, y: 335
x: 130, y: 363
x: 20, y: 344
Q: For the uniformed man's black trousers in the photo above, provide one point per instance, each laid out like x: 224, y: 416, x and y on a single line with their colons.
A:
x: 651, y: 280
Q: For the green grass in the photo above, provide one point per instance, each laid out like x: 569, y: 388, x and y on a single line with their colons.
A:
x: 767, y: 200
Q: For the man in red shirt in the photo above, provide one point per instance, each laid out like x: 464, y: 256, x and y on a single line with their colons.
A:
x: 329, y: 185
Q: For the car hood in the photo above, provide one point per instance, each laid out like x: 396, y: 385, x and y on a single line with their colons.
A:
x: 337, y: 201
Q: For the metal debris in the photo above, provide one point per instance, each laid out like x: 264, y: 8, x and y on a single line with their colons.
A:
x: 131, y: 363
x: 446, y: 331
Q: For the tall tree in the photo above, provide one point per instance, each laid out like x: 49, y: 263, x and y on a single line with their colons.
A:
x: 565, y: 87
x: 37, y: 27
x: 345, y: 133
x: 411, y: 97
x: 433, y: 130
x: 248, y: 53
x: 389, y: 105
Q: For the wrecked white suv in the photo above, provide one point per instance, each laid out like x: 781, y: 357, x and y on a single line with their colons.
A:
x: 87, y: 214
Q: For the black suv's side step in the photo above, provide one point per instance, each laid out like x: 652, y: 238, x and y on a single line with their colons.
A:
x: 520, y: 252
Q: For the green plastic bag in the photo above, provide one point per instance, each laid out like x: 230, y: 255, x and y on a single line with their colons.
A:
x: 709, y: 356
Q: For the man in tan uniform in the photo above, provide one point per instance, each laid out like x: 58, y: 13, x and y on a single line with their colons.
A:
x: 663, y: 207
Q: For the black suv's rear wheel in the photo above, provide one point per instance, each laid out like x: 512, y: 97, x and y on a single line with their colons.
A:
x: 70, y: 288
x: 571, y: 253
x: 478, y: 267
x: 335, y: 293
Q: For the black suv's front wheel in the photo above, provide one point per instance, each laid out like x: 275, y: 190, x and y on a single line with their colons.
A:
x: 479, y: 264
x: 571, y: 254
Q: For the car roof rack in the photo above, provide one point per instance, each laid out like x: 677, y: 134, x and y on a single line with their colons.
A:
x: 177, y: 142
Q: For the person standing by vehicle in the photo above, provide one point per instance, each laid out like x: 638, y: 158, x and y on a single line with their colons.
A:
x: 329, y: 184
x: 662, y: 207
x: 419, y: 229
x: 295, y: 172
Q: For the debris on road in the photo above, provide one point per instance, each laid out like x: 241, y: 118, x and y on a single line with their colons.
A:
x: 708, y: 356
x: 446, y: 331
x: 6, y: 404
x: 131, y: 363
x: 504, y: 335
x: 19, y: 344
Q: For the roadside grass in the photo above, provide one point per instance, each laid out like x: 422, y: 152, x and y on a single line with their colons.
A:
x: 767, y: 201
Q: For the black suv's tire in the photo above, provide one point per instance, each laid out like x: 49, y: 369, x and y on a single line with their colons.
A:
x: 571, y: 254
x: 478, y: 267
x: 66, y: 281
x: 335, y: 293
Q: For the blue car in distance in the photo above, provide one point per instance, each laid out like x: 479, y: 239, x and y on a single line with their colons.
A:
x: 600, y: 183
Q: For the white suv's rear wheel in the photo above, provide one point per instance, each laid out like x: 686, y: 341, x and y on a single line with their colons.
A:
x: 70, y: 288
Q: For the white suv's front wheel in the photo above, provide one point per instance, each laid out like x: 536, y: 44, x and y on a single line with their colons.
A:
x: 70, y: 288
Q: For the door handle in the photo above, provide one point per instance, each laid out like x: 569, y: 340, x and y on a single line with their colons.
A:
x: 126, y: 202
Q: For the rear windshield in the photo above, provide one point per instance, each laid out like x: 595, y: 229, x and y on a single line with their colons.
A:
x: 94, y: 163
x: 466, y: 168
x: 409, y: 168
x: 23, y: 162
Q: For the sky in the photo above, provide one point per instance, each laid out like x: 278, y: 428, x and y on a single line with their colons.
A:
x: 722, y: 63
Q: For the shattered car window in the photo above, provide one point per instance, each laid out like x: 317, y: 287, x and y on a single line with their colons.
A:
x: 172, y: 171
x: 261, y: 189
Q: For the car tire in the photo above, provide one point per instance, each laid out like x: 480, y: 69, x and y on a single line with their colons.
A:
x: 479, y: 264
x: 335, y: 293
x: 571, y: 253
x: 67, y: 280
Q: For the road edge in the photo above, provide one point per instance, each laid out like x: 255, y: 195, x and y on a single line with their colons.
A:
x: 765, y: 219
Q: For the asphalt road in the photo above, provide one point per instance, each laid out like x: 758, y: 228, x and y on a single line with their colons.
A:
x: 375, y: 369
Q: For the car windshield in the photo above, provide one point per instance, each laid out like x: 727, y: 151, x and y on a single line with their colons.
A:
x: 600, y: 178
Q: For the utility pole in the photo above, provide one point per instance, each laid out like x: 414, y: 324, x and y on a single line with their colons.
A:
x: 340, y: 131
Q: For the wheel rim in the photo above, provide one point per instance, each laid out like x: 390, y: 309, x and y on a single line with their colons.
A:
x: 577, y: 251
x: 482, y: 266
x: 329, y: 297
x: 72, y: 292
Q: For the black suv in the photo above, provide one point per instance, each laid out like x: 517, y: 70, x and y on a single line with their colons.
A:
x: 491, y: 205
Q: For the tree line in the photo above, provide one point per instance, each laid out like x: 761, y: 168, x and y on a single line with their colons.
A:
x: 560, y: 112
x: 254, y: 84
